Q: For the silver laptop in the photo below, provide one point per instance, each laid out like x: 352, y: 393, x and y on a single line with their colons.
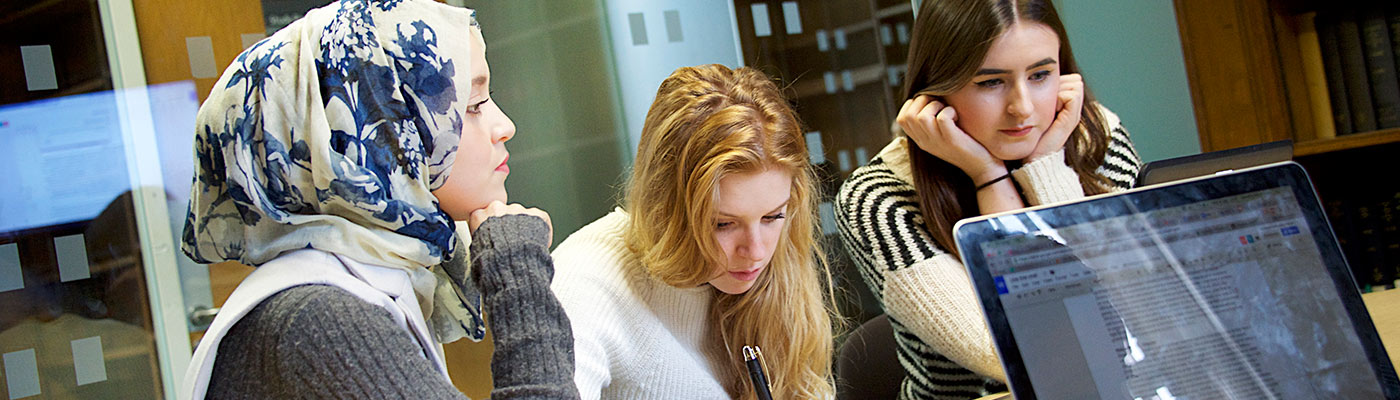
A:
x: 1230, y: 286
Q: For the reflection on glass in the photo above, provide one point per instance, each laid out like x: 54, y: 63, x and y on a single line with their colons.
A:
x: 76, y: 320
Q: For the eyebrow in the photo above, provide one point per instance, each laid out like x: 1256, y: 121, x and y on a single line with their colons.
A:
x: 478, y: 81
x: 775, y: 209
x: 993, y: 71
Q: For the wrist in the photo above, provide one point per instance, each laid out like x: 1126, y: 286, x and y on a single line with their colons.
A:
x: 994, y: 171
x: 993, y: 181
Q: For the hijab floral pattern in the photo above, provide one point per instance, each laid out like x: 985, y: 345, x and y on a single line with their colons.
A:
x: 331, y: 134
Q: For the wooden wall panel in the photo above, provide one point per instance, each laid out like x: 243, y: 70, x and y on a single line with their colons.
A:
x: 163, y: 26
x: 1236, y: 81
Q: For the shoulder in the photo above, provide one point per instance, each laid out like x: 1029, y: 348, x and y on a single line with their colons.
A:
x: 1113, y: 126
x: 296, y: 312
x: 878, y: 216
x: 284, y: 329
x: 872, y: 190
x: 885, y: 176
x: 877, y: 188
x: 1110, y: 118
x: 300, y: 341
x: 599, y: 248
x: 594, y: 264
x: 1121, y: 161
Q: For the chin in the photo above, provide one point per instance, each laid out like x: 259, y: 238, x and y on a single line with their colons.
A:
x: 734, y: 289
x: 1014, y: 152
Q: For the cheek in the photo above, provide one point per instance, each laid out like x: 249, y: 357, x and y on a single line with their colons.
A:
x: 772, y: 234
x: 727, y: 243
x: 474, y: 155
x: 1046, y: 99
x: 978, y: 115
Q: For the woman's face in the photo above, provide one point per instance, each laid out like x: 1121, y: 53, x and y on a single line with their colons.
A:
x: 1013, y: 96
x: 478, y: 174
x: 750, y: 215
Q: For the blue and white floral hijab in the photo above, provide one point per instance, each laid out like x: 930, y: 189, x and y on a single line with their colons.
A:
x: 331, y: 134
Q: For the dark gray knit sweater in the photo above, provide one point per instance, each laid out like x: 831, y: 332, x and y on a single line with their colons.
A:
x: 317, y: 341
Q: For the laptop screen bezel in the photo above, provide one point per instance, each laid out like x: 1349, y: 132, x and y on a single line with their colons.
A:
x: 970, y: 234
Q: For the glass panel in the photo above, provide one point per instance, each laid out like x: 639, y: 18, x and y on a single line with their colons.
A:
x: 843, y: 62
x: 77, y: 320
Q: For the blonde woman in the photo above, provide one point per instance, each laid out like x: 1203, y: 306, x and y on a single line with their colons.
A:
x: 715, y: 248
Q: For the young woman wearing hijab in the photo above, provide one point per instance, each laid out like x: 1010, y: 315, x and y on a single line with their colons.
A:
x: 997, y: 119
x: 714, y: 249
x: 337, y: 156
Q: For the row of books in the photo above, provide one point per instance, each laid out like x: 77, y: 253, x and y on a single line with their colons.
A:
x: 1369, y: 233
x: 1355, y: 51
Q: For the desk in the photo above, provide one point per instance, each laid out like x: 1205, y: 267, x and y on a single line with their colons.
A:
x: 1384, y: 307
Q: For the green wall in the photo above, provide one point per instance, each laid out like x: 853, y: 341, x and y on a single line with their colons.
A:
x: 550, y: 72
x: 1130, y: 53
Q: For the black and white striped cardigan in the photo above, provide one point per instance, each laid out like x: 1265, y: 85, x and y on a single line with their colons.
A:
x: 944, y: 345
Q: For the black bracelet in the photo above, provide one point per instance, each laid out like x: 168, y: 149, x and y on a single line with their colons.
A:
x: 993, y: 181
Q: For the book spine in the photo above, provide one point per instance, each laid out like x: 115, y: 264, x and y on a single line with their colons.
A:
x: 1332, y: 68
x: 1392, y: 18
x: 1390, y: 239
x: 1340, y: 214
x: 1315, y: 77
x: 1354, y: 73
x: 1380, y: 68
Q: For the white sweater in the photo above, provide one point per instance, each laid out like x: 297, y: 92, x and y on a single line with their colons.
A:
x: 634, y: 337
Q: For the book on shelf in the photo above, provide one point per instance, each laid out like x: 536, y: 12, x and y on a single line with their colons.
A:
x: 1315, y: 77
x: 1326, y: 25
x: 1390, y: 235
x: 1339, y: 214
x: 1380, y: 68
x: 1354, y: 73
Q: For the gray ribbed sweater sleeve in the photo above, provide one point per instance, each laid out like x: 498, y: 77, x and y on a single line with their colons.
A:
x: 534, y: 354
x: 317, y: 341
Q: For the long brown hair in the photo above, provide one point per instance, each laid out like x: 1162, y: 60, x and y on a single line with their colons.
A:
x: 708, y: 122
x: 949, y: 42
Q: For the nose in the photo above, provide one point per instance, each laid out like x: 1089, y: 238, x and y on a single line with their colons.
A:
x: 1019, y: 102
x: 502, y: 130
x: 752, y: 248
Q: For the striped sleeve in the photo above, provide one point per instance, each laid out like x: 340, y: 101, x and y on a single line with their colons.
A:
x: 881, y: 227
x: 878, y: 217
x: 1121, y: 162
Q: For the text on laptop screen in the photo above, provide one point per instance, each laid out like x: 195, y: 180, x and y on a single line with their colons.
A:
x: 1210, y: 300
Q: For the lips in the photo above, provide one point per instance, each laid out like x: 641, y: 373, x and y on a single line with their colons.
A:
x: 1017, y: 131
x: 503, y: 167
x: 747, y: 275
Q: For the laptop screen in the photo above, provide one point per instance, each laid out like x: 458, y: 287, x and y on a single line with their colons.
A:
x: 1202, y: 292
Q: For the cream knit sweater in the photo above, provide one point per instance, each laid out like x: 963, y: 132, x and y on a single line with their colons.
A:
x: 634, y: 336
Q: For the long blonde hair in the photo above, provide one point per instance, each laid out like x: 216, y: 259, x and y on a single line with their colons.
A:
x: 707, y: 122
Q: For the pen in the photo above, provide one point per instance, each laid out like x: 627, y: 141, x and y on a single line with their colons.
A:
x: 753, y: 357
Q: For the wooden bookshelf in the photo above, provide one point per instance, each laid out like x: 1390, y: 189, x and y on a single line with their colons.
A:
x: 1346, y: 142
x: 1247, y: 75
x: 1254, y: 68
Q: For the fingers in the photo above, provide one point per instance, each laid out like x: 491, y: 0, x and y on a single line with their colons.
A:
x: 917, y: 117
x: 1071, y: 93
x: 947, y: 119
x: 911, y: 110
x: 1071, y: 104
x: 499, y: 208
